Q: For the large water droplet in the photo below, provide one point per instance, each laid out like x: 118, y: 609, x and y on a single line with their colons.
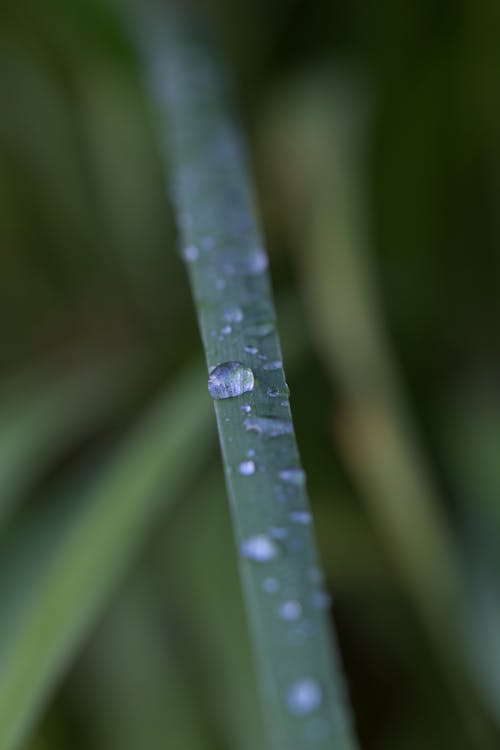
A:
x: 230, y: 379
x: 268, y: 426
x: 233, y: 315
x: 260, y: 548
x: 304, y: 696
x: 293, y: 476
x: 290, y: 610
x: 246, y: 468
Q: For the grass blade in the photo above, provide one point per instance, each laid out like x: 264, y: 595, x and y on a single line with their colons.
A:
x: 57, y: 574
x: 297, y: 664
x: 42, y: 414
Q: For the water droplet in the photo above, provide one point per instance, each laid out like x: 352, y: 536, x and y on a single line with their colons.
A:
x: 300, y: 516
x: 304, y: 696
x: 270, y: 585
x: 273, y: 392
x: 251, y: 349
x: 268, y: 426
x: 230, y: 379
x: 190, y: 253
x: 260, y: 548
x: 246, y: 408
x: 293, y: 476
x: 290, y: 610
x: 276, y: 364
x: 233, y: 315
x: 250, y: 453
x: 226, y: 330
x: 246, y: 468
x: 250, y: 263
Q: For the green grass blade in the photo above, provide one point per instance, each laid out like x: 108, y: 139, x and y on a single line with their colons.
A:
x: 133, y: 687
x: 43, y: 414
x: 58, y: 573
x: 297, y: 664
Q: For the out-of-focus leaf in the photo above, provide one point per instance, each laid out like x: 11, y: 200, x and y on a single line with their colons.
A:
x: 58, y: 573
x: 132, y: 689
x: 43, y: 413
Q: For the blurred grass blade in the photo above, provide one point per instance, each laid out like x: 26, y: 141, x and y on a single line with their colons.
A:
x: 297, y: 664
x: 326, y: 121
x: 133, y: 688
x: 57, y: 574
x: 43, y: 413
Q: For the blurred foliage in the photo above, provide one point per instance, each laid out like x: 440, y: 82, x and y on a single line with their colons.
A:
x: 96, y: 320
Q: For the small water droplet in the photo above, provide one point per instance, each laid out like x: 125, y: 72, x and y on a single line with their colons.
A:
x: 304, y: 696
x: 268, y: 426
x: 293, y: 476
x: 251, y: 349
x: 246, y: 468
x: 190, y: 253
x: 250, y: 263
x: 226, y: 330
x: 270, y: 585
x: 276, y: 364
x: 250, y: 453
x: 246, y: 408
x: 230, y: 379
x: 273, y: 392
x: 290, y: 610
x: 300, y: 516
x: 260, y: 548
x: 233, y: 315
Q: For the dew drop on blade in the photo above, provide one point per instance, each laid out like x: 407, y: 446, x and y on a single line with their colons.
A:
x: 290, y: 610
x: 260, y: 548
x: 304, y: 696
x: 246, y: 468
x: 233, y: 315
x: 293, y: 476
x: 230, y: 379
